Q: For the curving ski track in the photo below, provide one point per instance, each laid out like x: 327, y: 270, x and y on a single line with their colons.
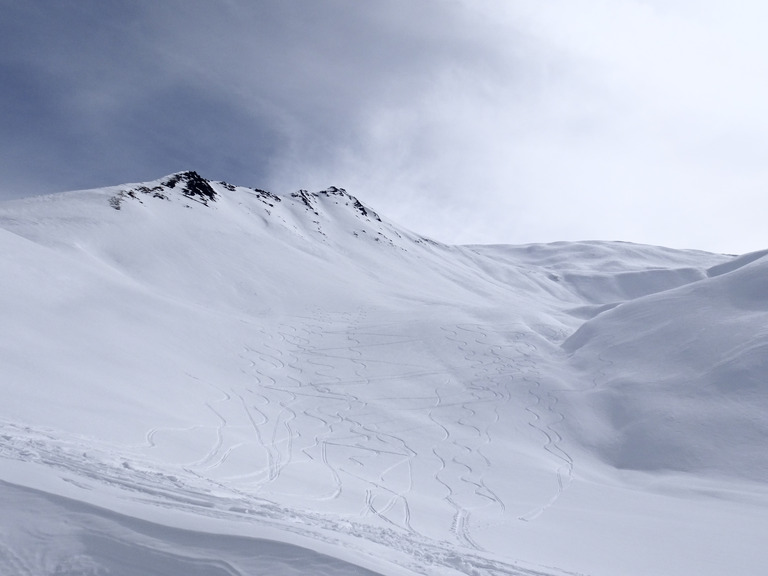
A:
x: 314, y: 402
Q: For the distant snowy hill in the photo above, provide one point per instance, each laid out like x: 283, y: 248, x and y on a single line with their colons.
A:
x: 683, y: 377
x: 201, y: 378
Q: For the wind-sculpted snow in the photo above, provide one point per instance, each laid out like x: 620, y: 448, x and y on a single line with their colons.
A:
x: 684, y: 383
x: 192, y: 377
x: 96, y: 541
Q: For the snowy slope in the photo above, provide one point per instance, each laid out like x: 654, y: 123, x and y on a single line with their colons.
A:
x: 200, y: 378
x: 683, y: 382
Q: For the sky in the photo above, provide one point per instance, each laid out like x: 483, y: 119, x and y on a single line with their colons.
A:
x: 470, y: 121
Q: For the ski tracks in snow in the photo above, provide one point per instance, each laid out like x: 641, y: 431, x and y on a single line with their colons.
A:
x: 545, y: 417
x: 471, y: 414
x: 92, y: 465
x: 316, y: 400
x: 335, y: 379
x: 13, y: 563
x: 502, y: 361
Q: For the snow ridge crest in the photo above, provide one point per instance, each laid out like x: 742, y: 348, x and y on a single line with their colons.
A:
x: 309, y: 199
x: 194, y: 187
x: 190, y: 184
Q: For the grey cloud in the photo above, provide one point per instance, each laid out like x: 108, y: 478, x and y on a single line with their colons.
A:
x: 98, y: 91
x: 468, y: 120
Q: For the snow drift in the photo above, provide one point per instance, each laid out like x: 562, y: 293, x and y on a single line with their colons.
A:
x: 682, y: 376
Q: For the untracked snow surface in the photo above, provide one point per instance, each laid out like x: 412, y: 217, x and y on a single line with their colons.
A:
x: 204, y: 379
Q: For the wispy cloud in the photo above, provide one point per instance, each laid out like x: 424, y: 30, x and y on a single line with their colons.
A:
x: 472, y: 121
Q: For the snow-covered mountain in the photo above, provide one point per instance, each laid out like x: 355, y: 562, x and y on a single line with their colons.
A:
x: 199, y: 378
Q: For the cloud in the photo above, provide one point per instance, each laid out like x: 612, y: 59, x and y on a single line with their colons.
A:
x: 624, y: 123
x: 471, y: 121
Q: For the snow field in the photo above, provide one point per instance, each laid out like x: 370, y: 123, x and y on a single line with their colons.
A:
x: 298, y: 369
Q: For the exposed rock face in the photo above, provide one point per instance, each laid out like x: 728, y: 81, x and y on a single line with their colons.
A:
x: 193, y: 186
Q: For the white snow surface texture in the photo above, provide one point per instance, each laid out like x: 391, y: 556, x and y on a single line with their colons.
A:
x: 204, y: 379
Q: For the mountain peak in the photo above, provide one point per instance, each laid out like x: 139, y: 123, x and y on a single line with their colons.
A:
x: 190, y: 184
x: 194, y: 187
x: 302, y: 212
x: 309, y: 198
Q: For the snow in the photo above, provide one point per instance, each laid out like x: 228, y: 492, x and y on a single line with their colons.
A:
x: 74, y: 538
x: 698, y: 404
x: 249, y: 383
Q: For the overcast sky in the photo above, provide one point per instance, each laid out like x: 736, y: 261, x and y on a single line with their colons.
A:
x: 471, y: 121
